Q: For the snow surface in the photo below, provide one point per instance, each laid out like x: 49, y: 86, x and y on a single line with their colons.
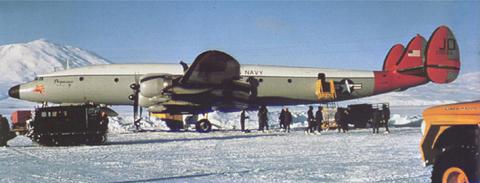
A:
x: 223, y: 156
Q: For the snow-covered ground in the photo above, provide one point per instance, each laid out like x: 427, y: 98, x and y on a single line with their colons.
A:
x: 223, y: 156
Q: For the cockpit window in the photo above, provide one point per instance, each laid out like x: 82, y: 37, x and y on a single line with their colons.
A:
x: 38, y: 79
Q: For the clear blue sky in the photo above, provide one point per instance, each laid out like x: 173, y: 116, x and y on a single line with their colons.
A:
x: 353, y: 35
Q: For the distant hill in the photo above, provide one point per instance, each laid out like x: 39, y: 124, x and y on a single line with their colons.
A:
x: 21, y: 62
x: 465, y: 88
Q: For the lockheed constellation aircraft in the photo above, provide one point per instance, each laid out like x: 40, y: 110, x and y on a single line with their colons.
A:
x: 216, y: 81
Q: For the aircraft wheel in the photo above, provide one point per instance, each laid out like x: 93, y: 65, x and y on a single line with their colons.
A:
x: 457, y: 165
x: 44, y: 140
x: 96, y: 139
x: 203, y: 126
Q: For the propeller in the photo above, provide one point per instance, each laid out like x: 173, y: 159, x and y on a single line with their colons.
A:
x: 136, y: 90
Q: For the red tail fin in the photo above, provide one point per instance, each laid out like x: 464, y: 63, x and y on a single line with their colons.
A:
x: 442, y: 56
x: 437, y: 61
x: 392, y: 58
x: 412, y: 60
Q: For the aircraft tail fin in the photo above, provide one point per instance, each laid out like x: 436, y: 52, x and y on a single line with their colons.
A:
x: 442, y: 56
x: 392, y: 58
x: 438, y: 60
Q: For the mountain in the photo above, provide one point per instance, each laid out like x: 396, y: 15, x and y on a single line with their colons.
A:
x: 465, y: 88
x: 21, y: 62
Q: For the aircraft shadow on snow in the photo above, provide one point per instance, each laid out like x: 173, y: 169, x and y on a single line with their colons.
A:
x: 154, y: 141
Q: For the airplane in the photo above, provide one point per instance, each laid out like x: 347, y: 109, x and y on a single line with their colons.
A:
x: 216, y: 81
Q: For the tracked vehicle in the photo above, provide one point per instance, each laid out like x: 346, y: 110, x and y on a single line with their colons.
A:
x: 361, y: 114
x: 69, y: 125
x: 451, y: 142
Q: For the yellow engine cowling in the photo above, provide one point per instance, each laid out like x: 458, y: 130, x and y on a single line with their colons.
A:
x: 166, y: 116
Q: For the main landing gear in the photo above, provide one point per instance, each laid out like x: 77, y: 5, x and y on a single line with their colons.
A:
x: 178, y: 122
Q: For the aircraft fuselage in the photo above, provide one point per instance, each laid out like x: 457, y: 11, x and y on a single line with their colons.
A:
x: 110, y: 84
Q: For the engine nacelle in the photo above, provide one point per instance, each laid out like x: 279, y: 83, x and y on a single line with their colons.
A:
x: 152, y: 85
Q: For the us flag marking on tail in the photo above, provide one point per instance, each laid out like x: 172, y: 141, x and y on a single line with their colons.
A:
x: 413, y: 53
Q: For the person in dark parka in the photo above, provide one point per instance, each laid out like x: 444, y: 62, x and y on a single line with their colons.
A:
x: 288, y: 120
x: 310, y: 120
x: 263, y: 118
x: 242, y: 120
x: 4, y: 131
x: 319, y: 119
x: 338, y: 119
x: 281, y: 118
x: 376, y: 117
x: 386, y: 116
x: 345, y: 120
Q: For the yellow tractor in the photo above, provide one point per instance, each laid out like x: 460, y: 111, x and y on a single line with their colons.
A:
x: 451, y: 142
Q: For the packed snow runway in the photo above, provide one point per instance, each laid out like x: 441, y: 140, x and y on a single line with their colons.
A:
x: 223, y: 156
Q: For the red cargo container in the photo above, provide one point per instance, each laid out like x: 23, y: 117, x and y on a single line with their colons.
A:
x: 19, y: 118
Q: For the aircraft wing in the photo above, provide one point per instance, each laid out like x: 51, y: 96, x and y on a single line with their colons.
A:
x: 212, y: 81
x: 212, y: 68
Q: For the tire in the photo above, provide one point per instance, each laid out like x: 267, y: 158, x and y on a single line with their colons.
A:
x: 456, y: 164
x: 203, y: 126
x: 96, y: 139
x: 45, y: 140
x: 174, y: 125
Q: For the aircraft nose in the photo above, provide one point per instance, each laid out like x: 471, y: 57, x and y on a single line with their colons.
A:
x: 14, y: 92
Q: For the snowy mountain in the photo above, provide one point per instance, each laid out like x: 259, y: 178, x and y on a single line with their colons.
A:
x: 23, y: 61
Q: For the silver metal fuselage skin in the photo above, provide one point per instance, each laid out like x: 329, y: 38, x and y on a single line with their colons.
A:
x: 110, y: 84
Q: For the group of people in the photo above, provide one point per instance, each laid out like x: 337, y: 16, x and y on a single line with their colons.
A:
x: 380, y: 117
x: 285, y: 119
x: 341, y: 117
x: 262, y: 119
x: 314, y: 121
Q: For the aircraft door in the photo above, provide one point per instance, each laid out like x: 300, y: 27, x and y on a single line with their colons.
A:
x: 323, y: 89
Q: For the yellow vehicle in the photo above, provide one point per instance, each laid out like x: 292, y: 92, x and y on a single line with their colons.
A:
x: 450, y: 142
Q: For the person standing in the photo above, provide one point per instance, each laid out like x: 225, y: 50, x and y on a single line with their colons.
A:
x: 242, y: 120
x: 319, y: 119
x: 288, y: 120
x: 4, y: 131
x: 345, y: 120
x: 310, y: 119
x: 263, y: 118
x: 386, y: 116
x: 281, y: 118
x: 260, y: 119
x: 104, y: 121
x: 375, y: 120
x: 338, y: 119
x: 265, y: 111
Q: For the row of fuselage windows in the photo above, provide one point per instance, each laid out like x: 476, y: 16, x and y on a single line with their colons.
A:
x: 116, y: 80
